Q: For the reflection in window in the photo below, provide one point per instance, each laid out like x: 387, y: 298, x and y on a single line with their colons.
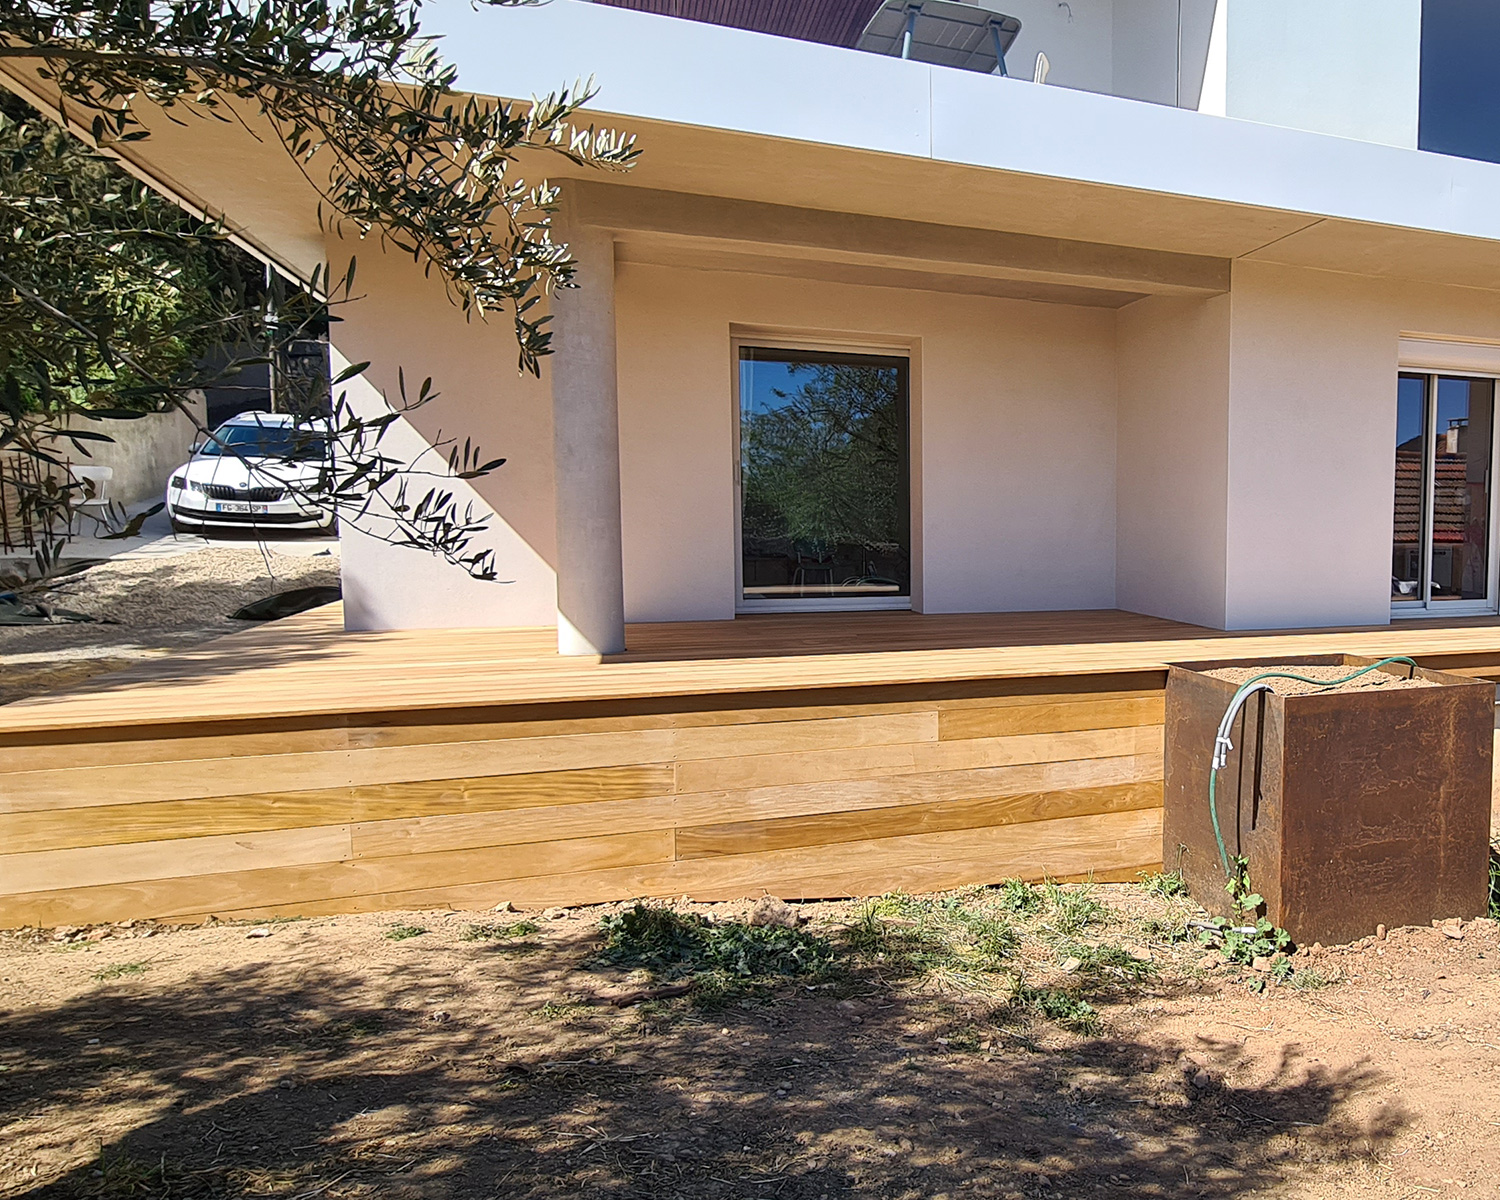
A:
x: 1408, y: 556
x: 1444, y: 451
x: 824, y: 476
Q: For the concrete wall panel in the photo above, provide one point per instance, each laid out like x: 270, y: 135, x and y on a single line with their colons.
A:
x: 1016, y: 420
x: 1173, y: 457
x: 405, y: 322
x: 1312, y: 436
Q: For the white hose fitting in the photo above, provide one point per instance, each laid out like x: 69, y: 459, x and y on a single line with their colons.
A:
x: 1222, y: 744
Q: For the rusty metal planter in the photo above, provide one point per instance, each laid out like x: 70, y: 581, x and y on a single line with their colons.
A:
x: 1354, y: 808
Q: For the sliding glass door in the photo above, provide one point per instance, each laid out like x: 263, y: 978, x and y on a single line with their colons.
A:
x: 825, y: 505
x: 1441, y: 555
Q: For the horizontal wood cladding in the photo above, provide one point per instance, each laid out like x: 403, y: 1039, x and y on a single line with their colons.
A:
x: 1112, y: 846
x: 114, y: 824
x: 822, y: 829
x: 111, y: 746
x: 844, y: 792
x: 1055, y: 717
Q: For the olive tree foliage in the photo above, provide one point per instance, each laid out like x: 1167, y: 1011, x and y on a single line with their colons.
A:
x: 369, y: 111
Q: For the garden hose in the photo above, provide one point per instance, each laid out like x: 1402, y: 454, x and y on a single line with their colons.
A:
x: 1222, y: 744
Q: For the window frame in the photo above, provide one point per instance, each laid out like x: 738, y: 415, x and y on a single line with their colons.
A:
x: 1426, y: 607
x: 772, y: 340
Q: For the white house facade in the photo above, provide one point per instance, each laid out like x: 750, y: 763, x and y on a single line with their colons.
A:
x: 1193, y: 328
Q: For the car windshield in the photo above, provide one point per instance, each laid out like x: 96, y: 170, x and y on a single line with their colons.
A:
x: 266, y: 441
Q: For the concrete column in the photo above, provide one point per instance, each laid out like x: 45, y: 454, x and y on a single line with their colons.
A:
x: 586, y: 452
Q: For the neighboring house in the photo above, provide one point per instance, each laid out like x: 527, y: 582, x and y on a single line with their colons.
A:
x: 1196, y: 329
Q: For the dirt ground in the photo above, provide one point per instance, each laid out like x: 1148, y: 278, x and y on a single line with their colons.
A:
x: 442, y: 1055
x: 153, y: 606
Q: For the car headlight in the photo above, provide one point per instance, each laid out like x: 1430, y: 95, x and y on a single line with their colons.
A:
x: 178, y: 483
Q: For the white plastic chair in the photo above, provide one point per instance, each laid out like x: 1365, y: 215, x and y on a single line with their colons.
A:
x: 94, y: 500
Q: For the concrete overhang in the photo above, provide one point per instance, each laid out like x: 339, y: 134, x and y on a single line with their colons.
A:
x: 937, y: 178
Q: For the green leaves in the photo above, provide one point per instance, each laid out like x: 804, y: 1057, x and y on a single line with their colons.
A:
x: 109, y: 295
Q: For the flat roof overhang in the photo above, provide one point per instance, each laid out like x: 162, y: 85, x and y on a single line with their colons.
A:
x: 750, y: 142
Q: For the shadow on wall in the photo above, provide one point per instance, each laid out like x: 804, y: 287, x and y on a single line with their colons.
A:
x: 400, y: 1082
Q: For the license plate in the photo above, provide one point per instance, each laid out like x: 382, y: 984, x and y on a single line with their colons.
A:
x: 237, y: 506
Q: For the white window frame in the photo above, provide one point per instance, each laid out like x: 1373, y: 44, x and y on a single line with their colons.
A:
x: 1434, y: 358
x: 771, y: 339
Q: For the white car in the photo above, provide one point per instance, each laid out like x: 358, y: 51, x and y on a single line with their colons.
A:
x: 257, y: 471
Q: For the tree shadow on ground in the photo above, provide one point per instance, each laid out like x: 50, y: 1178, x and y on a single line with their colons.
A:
x: 320, y: 1082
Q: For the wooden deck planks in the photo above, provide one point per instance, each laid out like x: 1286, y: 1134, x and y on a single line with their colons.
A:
x: 310, y: 667
x: 354, y: 772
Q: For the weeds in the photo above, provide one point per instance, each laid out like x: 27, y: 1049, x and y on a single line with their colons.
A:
x: 1494, y: 908
x: 560, y: 1010
x: 1171, y: 929
x: 724, y: 959
x: 1108, y: 963
x: 1019, y: 897
x: 1167, y: 884
x: 1073, y: 911
x: 954, y: 940
x: 493, y: 932
x: 1057, y: 1004
x: 1310, y: 980
x: 399, y: 933
x: 1256, y: 938
x: 119, y: 971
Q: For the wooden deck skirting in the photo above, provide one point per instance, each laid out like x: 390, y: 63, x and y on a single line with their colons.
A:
x: 297, y: 770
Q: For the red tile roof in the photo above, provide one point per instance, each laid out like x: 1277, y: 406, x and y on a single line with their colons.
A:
x: 1450, y: 516
x: 835, y: 22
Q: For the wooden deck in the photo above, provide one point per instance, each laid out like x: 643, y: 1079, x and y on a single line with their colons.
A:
x: 297, y: 769
x: 308, y: 666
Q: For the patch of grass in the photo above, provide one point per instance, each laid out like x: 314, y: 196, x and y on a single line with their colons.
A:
x: 1073, y: 909
x: 1170, y: 928
x: 1065, y: 1007
x: 1166, y: 884
x: 1018, y: 896
x: 499, y: 932
x: 1310, y: 980
x: 119, y: 971
x: 1108, y: 963
x: 559, y: 1010
x: 960, y: 940
x: 1494, y: 909
x: 724, y: 959
x: 399, y: 933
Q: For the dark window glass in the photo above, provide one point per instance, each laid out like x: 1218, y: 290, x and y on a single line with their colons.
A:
x: 824, y: 475
x: 1459, y: 109
x: 266, y: 441
x: 1408, y: 561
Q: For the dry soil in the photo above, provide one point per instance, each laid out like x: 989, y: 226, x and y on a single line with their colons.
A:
x: 329, y: 1058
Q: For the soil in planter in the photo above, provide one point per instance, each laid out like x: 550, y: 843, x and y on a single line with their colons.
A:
x: 1372, y: 682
